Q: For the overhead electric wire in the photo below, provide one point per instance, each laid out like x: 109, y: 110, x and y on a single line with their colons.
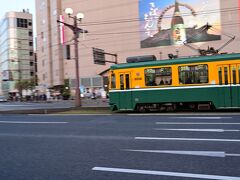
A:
x: 102, y: 8
x: 164, y: 17
x: 110, y: 37
x: 139, y: 31
x: 138, y: 19
x: 109, y: 34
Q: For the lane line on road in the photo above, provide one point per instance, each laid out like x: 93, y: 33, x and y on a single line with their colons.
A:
x: 187, y: 139
x: 165, y: 173
x: 191, y: 153
x: 28, y: 122
x: 197, y: 123
x: 173, y: 115
x: 200, y: 117
x: 70, y: 114
x: 200, y: 130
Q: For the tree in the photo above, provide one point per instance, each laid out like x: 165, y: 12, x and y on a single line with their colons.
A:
x: 25, y: 85
x: 65, y: 91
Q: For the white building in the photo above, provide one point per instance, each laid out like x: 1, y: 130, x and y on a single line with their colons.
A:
x: 16, y: 51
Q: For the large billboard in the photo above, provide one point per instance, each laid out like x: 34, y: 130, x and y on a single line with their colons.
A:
x: 175, y: 22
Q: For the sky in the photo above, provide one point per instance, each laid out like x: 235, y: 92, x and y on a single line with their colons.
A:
x: 17, y: 5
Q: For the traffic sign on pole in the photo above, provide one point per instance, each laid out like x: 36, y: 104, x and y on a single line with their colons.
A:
x: 99, y: 56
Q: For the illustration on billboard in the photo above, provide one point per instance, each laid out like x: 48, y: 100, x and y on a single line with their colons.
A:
x: 174, y: 22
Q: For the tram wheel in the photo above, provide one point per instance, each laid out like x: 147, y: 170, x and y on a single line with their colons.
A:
x: 141, y: 109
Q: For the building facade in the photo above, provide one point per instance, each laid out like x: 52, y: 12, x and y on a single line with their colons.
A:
x: 49, y: 49
x: 148, y: 27
x: 17, y: 61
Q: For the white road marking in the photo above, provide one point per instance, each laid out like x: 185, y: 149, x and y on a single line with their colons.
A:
x: 70, y: 114
x: 186, y: 114
x: 151, y: 114
x: 197, y: 123
x: 165, y: 173
x: 200, y: 117
x: 187, y: 139
x: 28, y: 122
x: 199, y: 130
x: 192, y: 153
x: 13, y: 105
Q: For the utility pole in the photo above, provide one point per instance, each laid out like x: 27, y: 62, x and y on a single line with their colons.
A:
x: 77, y: 91
x: 76, y: 31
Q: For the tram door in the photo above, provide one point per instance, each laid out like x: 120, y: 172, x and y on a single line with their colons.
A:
x: 229, y: 77
x: 125, y: 96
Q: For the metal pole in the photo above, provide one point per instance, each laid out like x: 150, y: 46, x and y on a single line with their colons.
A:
x: 160, y: 55
x: 77, y: 92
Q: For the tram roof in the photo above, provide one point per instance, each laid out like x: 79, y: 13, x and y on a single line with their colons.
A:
x: 185, y: 60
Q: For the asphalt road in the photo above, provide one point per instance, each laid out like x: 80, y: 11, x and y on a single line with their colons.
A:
x: 119, y: 147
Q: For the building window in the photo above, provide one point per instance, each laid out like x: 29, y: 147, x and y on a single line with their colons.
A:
x: 158, y: 76
x: 30, y: 53
x: 23, y: 23
x: 30, y: 23
x: 30, y: 33
x: 195, y: 74
x: 30, y: 43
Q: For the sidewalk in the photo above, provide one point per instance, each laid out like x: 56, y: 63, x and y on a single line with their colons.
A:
x: 85, y: 102
x: 46, y: 107
x: 88, y: 102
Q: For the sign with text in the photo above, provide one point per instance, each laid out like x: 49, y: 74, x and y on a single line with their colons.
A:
x: 173, y: 22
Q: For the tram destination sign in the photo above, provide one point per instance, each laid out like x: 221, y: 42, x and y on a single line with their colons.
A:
x: 99, y: 56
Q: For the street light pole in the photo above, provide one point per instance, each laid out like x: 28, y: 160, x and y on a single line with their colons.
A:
x: 76, y: 31
x: 77, y: 91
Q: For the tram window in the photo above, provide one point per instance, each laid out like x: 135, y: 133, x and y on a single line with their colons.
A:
x: 121, y: 82
x: 239, y: 74
x: 113, y: 81
x: 127, y: 81
x: 196, y: 74
x: 158, y: 76
x: 220, y: 75
x: 226, y: 75
x: 234, y: 74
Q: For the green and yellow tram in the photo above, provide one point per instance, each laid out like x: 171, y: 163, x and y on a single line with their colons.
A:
x: 203, y: 82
